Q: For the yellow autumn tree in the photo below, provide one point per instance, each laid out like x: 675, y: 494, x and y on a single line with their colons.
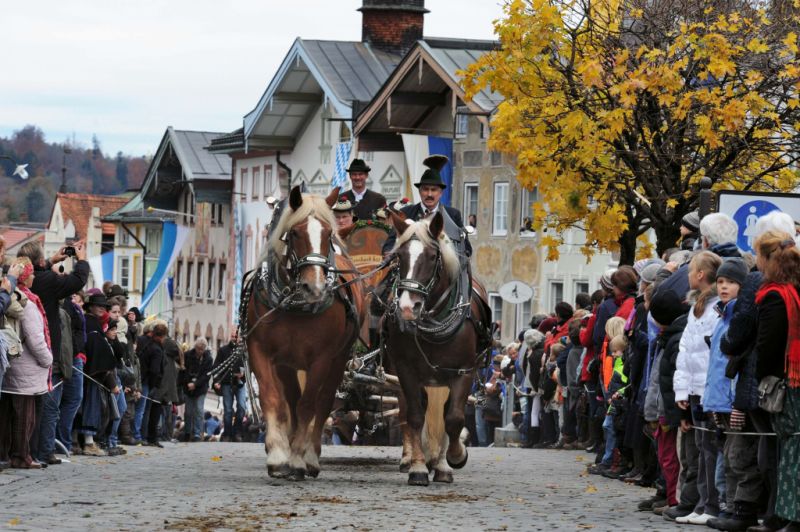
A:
x: 615, y: 110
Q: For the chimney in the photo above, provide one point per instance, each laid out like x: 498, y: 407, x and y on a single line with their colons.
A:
x: 392, y: 26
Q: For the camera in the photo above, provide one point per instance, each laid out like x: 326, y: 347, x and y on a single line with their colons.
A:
x: 69, y: 251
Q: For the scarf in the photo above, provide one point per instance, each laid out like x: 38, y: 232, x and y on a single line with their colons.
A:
x: 26, y: 272
x: 792, y: 301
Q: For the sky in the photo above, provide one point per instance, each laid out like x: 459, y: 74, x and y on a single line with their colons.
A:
x: 126, y: 69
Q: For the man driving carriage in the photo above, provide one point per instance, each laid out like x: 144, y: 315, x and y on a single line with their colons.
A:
x: 431, y: 187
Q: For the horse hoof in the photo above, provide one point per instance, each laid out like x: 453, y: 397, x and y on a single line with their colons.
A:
x: 312, y: 472
x: 405, y: 467
x: 443, y: 476
x: 417, y: 479
x: 462, y: 464
x: 297, y: 475
x: 279, y: 471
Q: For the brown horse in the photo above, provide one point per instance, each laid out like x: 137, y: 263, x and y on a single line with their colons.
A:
x: 434, y: 328
x: 303, y: 323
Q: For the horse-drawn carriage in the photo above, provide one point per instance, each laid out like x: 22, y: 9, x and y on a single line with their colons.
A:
x: 306, y: 308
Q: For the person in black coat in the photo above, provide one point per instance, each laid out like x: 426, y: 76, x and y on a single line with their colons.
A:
x: 365, y: 202
x: 194, y: 381
x: 52, y: 287
x: 431, y: 186
x: 152, y: 359
x: 229, y: 381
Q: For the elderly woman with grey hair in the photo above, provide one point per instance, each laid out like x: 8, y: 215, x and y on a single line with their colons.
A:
x: 193, y: 379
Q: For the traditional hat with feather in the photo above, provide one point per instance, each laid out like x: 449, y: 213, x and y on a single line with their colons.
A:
x: 431, y: 176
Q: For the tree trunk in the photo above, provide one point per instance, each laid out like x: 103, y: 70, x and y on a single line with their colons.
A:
x: 667, y: 236
x: 627, y: 248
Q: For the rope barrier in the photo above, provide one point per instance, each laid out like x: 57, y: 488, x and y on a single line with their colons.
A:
x: 739, y: 433
x: 143, y: 396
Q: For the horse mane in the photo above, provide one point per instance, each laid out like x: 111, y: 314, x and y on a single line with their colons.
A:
x: 420, y: 230
x: 312, y: 206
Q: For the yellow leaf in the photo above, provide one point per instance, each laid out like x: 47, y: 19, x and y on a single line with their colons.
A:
x: 13, y: 522
x: 591, y: 489
x: 757, y: 46
x: 216, y: 458
x: 672, y: 203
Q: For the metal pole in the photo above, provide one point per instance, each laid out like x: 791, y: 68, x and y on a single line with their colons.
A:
x: 704, y: 206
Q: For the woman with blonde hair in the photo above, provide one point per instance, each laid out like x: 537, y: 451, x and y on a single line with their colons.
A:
x: 27, y: 376
x: 778, y: 349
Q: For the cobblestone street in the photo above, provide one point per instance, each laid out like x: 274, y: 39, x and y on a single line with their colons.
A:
x: 221, y: 486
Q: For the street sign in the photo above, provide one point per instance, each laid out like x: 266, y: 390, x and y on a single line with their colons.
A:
x: 516, y: 292
x: 746, y: 207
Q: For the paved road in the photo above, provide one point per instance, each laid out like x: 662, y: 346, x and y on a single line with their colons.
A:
x: 224, y: 486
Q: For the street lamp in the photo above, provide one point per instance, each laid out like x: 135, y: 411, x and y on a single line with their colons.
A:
x: 20, y: 169
x: 166, y: 211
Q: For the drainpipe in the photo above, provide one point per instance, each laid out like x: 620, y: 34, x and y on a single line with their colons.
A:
x: 281, y: 164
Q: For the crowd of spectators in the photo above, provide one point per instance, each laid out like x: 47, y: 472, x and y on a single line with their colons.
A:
x: 81, y: 373
x: 680, y: 374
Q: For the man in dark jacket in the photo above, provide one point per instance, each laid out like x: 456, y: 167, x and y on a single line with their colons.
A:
x: 364, y: 201
x: 194, y: 381
x: 229, y: 381
x: 152, y: 360
x: 431, y: 187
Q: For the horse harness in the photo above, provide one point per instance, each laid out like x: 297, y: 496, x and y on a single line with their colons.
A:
x: 443, y: 319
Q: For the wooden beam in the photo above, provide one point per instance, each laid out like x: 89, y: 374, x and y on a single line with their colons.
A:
x: 297, y: 97
x: 425, y: 99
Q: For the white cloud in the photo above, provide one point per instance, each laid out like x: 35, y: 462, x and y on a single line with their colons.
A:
x: 125, y: 70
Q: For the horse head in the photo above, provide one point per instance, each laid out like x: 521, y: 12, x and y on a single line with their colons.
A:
x: 303, y: 243
x: 423, y: 254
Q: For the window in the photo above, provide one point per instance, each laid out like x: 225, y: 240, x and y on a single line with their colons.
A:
x: 256, y: 181
x: 268, y: 180
x: 153, y: 242
x: 496, y: 158
x: 211, y: 279
x: 221, y: 285
x: 529, y: 197
x: 496, y: 304
x: 582, y: 287
x: 178, y: 273
x: 556, y: 293
x: 500, y: 216
x: 524, y: 313
x: 125, y: 272
x: 471, y: 203
x: 124, y: 237
x: 245, y: 182
x: 473, y: 158
x: 189, y: 271
x: 199, y: 292
x: 462, y: 121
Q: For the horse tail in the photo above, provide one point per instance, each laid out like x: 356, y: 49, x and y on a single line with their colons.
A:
x: 433, y: 432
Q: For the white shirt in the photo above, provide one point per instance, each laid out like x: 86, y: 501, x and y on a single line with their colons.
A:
x: 429, y: 212
x: 358, y: 197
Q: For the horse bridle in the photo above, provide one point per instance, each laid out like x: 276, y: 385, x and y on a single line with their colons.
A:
x: 424, y: 289
x: 294, y: 264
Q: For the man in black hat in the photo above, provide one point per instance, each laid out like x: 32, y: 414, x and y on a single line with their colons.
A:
x: 365, y: 202
x: 431, y: 187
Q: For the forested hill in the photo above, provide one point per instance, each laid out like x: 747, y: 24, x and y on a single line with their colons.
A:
x: 88, y: 171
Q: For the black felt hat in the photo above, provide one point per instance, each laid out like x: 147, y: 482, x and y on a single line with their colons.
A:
x: 358, y: 165
x: 431, y: 176
x: 99, y: 300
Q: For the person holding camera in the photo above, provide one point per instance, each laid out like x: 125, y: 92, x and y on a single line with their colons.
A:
x: 229, y: 381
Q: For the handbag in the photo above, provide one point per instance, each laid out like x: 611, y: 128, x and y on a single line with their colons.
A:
x: 771, y: 394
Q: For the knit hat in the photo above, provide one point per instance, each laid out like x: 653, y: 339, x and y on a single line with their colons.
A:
x: 650, y: 271
x: 691, y: 221
x: 605, y: 280
x: 137, y: 313
x: 733, y: 268
x: 666, y: 306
